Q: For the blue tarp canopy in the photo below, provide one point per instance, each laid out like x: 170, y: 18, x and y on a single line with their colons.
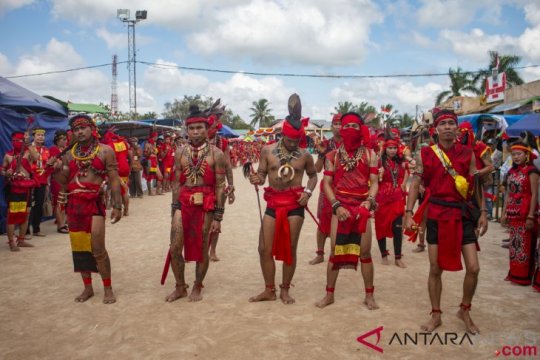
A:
x: 23, y: 100
x: 530, y: 122
x: 227, y: 132
x: 16, y: 103
x: 482, y: 122
x: 165, y: 122
x: 133, y: 128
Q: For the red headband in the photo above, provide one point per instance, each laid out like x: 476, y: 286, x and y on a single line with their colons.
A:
x: 17, y: 136
x: 336, y: 117
x: 445, y: 116
x: 82, y: 121
x: 196, y: 119
x: 390, y: 142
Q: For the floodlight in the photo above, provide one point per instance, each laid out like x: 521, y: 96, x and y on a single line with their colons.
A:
x: 122, y: 14
x: 140, y: 14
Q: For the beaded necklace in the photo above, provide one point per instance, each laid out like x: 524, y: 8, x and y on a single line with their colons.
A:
x: 83, y: 158
x: 196, y: 161
x: 348, y: 162
x: 394, y: 171
x: 285, y: 156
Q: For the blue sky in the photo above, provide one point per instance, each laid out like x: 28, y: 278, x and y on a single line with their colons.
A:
x: 346, y: 37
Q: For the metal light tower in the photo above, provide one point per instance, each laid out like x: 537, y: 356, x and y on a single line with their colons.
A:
x: 124, y: 16
x: 114, y: 92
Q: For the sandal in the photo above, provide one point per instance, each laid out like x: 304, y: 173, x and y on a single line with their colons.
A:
x: 63, y: 230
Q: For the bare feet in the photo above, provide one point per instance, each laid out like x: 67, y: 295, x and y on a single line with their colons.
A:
x: 87, y: 293
x: 469, y: 324
x: 126, y: 212
x: 213, y: 257
x: 317, y: 260
x: 400, y: 263
x: 385, y: 260
x: 179, y: 292
x: 196, y: 293
x: 326, y: 300
x: 269, y: 294
x: 108, y: 296
x: 369, y: 301
x: 13, y: 247
x: 419, y: 248
x: 433, y: 323
x: 22, y: 243
x: 285, y: 297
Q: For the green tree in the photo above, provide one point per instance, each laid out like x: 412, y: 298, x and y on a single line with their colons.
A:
x: 344, y: 107
x: 460, y: 83
x: 364, y: 109
x: 404, y: 120
x: 236, y: 122
x: 261, y: 114
x: 507, y: 64
x: 179, y: 109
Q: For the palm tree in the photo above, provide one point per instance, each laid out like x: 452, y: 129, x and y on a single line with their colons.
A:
x: 261, y: 113
x: 507, y: 64
x: 344, y: 107
x: 364, y: 108
x: 460, y: 82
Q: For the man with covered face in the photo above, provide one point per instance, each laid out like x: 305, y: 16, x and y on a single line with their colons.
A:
x: 351, y: 183
x: 17, y: 170
x: 284, y: 163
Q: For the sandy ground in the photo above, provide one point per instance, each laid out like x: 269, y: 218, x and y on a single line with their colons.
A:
x: 40, y: 320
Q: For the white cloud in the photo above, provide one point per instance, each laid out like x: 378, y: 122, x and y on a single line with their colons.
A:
x: 532, y: 13
x: 237, y: 92
x: 403, y: 95
x: 5, y: 66
x: 456, y: 13
x: 8, y: 5
x: 303, y: 31
x: 171, y: 13
x: 89, y: 85
x: 113, y: 40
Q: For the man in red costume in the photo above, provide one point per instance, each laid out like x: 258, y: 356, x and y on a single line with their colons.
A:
x: 284, y: 163
x: 324, y: 208
x: 166, y: 154
x: 124, y: 159
x: 85, y: 168
x: 214, y: 125
x: 447, y: 171
x: 199, y: 206
x: 351, y: 183
x: 60, y: 143
x: 41, y: 175
x: 151, y: 169
x: 482, y: 157
x: 17, y: 169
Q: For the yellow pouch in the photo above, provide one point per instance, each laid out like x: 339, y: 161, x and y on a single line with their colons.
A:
x: 462, y: 185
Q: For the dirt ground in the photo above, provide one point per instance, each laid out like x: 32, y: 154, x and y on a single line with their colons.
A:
x: 40, y: 320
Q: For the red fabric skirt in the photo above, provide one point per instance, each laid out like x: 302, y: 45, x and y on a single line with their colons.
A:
x: 193, y: 219
x: 324, y: 214
x: 522, y: 253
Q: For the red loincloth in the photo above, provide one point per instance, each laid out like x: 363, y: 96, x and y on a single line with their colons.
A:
x: 193, y: 219
x: 83, y: 203
x: 349, y: 232
x: 282, y: 201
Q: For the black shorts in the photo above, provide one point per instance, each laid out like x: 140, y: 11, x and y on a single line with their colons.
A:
x: 432, y: 236
x: 299, y: 211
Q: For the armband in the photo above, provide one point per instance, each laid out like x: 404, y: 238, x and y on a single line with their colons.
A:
x: 328, y: 173
x: 374, y: 170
